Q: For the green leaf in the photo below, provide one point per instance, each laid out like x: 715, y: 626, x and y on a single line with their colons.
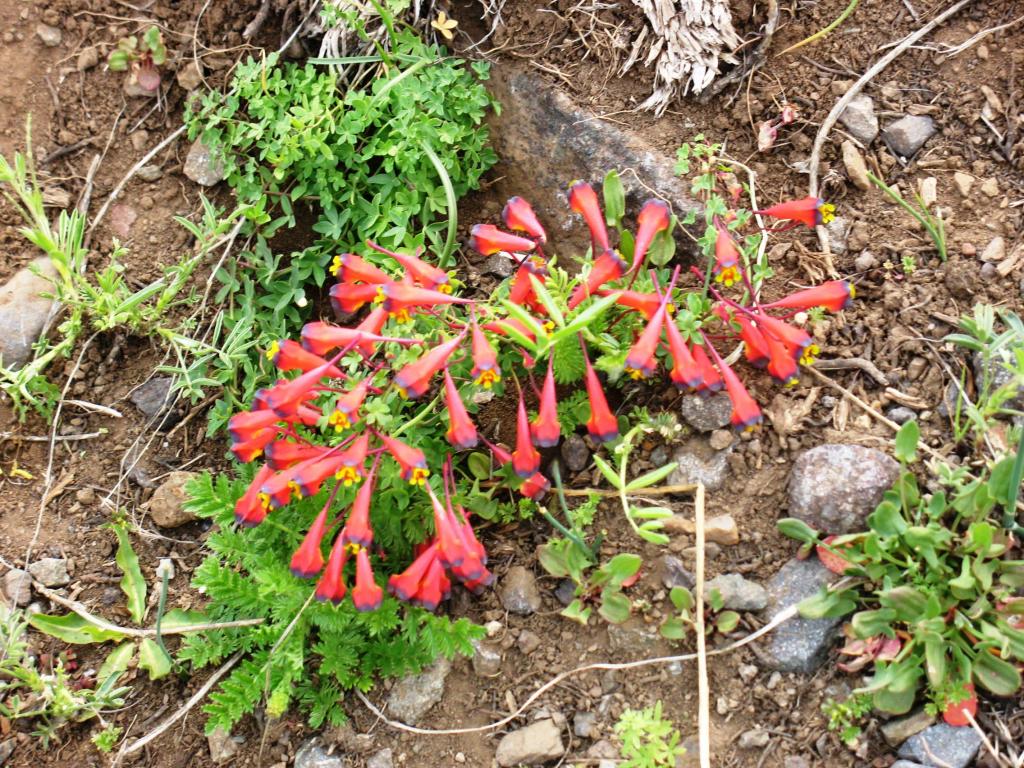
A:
x: 614, y: 198
x: 546, y: 299
x: 479, y: 465
x: 673, y: 628
x: 651, y: 478
x: 663, y: 247
x: 653, y: 537
x: 154, y: 659
x: 871, y: 623
x: 995, y: 674
x: 72, y: 628
x: 797, y: 529
x: 908, y: 603
x: 585, y: 317
x: 886, y: 520
x: 526, y: 319
x: 622, y: 566
x: 826, y: 604
x: 894, y: 702
x: 181, y: 618
x: 615, y: 606
x: 576, y: 612
x: 727, y: 621
x: 116, y: 663
x: 132, y: 583
x: 609, y: 474
x: 681, y: 598
x: 905, y: 446
x: 935, y: 661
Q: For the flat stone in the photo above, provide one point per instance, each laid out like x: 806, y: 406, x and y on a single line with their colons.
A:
x: 929, y: 191
x: 990, y: 187
x: 738, y: 593
x: 860, y: 120
x: 942, y: 746
x: 908, y: 134
x: 486, y: 659
x: 901, y: 414
x: 51, y: 36
x: 202, y: 165
x: 838, y: 234
x: 518, y: 591
x: 167, y: 505
x: 675, y: 574
x: 833, y: 488
x: 313, y: 754
x: 720, y: 529
x: 190, y: 76
x: 856, y: 169
x: 995, y: 250
x: 413, y: 695
x: 150, y: 173
x: 907, y: 764
x: 895, y: 732
x: 222, y: 746
x: 382, y: 759
x: 88, y: 58
x: 18, y: 586
x: 575, y: 453
x: 154, y: 398
x: 865, y: 261
x: 753, y: 739
x: 50, y: 571
x: 698, y: 462
x: 633, y: 638
x: 799, y: 645
x: 24, y: 311
x: 535, y: 744
x: 499, y: 265
x: 528, y: 642
x: 963, y: 183
x: 584, y: 724
x: 706, y: 414
x: 7, y: 749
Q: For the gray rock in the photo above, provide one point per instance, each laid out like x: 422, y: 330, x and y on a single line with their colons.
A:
x: 942, y: 745
x: 413, y: 695
x: 222, y: 746
x: 989, y: 273
x: 706, y: 414
x: 7, y: 749
x: 203, y: 166
x: 901, y: 414
x: 498, y: 265
x: 190, y: 76
x: 833, y: 488
x: 565, y: 592
x: 24, y: 312
x: 999, y: 376
x: 382, y: 759
x: 88, y: 58
x: 721, y: 439
x: 633, y: 638
x: 18, y: 586
x: 518, y: 591
x: 838, y: 232
x: 753, y: 739
x: 700, y: 463
x: 748, y: 672
x: 575, y: 453
x: 995, y: 251
x: 908, y: 134
x: 536, y: 743
x: 528, y: 642
x: 538, y: 121
x: 50, y: 571
x: 659, y: 456
x: 167, y: 505
x: 907, y: 764
x: 895, y: 732
x: 154, y: 398
x: 856, y: 169
x: 674, y: 573
x: 583, y: 724
x: 150, y: 173
x: 795, y: 761
x: 486, y: 659
x: 312, y: 754
x: 738, y: 593
x: 867, y: 260
x: 860, y: 120
x: 799, y: 645
x: 51, y: 36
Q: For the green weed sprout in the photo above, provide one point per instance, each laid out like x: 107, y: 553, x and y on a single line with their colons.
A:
x: 931, y: 222
x: 648, y: 739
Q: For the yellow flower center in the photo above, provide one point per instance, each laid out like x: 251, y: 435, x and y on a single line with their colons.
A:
x: 853, y: 291
x: 827, y: 211
x: 418, y: 476
x: 402, y: 316
x: 635, y: 373
x: 264, y: 500
x: 380, y: 298
x: 339, y: 420
x: 352, y: 548
x: 295, y: 489
x: 347, y: 476
x: 728, y: 277
x: 336, y: 265
x: 487, y: 378
x: 809, y: 353
x: 445, y: 288
x: 273, y: 349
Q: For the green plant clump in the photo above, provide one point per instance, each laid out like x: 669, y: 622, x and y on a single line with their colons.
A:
x: 648, y: 739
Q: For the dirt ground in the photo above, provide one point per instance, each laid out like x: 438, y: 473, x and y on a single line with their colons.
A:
x: 77, y: 115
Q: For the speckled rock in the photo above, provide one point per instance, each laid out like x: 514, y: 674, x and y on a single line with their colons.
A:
x: 167, y: 506
x: 24, y: 311
x: 222, y: 746
x: 518, y: 591
x: 202, y: 165
x: 942, y: 746
x: 533, y: 745
x: 18, y: 586
x: 860, y: 120
x: 414, y: 695
x: 706, y: 414
x: 833, y: 488
x: 698, y: 462
x: 798, y: 645
x: 50, y: 571
x: 908, y: 134
x: 738, y: 593
x: 313, y: 754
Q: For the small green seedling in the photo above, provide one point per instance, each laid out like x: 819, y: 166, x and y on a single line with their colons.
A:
x: 141, y: 58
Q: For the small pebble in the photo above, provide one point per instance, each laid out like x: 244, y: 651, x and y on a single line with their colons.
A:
x: 51, y: 36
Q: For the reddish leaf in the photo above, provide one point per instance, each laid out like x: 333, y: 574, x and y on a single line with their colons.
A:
x: 831, y: 560
x: 956, y: 714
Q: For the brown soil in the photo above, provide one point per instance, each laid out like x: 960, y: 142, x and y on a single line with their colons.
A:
x: 892, y: 326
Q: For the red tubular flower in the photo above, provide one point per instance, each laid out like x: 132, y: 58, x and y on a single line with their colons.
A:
x: 371, y: 326
x: 353, y: 460
x: 487, y: 239
x: 545, y: 430
x: 434, y: 588
x: 781, y: 364
x: 833, y: 296
x: 809, y: 211
x: 320, y: 338
x: 537, y: 486
x: 348, y: 297
x: 245, y: 425
x: 250, y: 508
x: 685, y: 373
x: 583, y: 200
x: 500, y: 454
x: 399, y: 298
x: 745, y: 412
x: 331, y: 586
x: 288, y: 355
x: 250, y: 449
x: 426, y: 275
x: 348, y: 267
x: 414, y: 379
x: 519, y: 216
x: 525, y: 458
x: 503, y: 325
x: 799, y: 343
x: 644, y: 303
x: 357, y: 528
x: 522, y: 292
x: 608, y: 266
x: 282, y: 454
x: 711, y: 381
x: 485, y: 360
x: 469, y: 539
x: 284, y: 398
x: 366, y: 594
x: 346, y: 410
x: 310, y: 475
x: 652, y: 219
x: 406, y: 584
x: 461, y: 431
x: 755, y: 346
x: 411, y: 461
x: 727, y: 258
x: 450, y: 549
x: 602, y: 424
x: 641, y: 360
x: 308, y: 559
